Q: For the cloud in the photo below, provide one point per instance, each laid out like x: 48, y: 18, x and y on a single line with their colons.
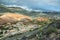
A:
x: 49, y: 2
x: 24, y: 7
x: 35, y: 4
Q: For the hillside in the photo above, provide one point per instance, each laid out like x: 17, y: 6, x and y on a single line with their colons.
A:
x: 28, y: 13
x: 4, y: 9
x: 16, y: 20
x: 34, y: 13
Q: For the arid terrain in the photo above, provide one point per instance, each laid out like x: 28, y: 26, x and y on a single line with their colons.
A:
x: 28, y: 25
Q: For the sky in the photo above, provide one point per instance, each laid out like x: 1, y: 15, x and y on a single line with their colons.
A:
x: 51, y: 5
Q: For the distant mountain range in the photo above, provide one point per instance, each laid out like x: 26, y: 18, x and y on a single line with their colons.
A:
x: 29, y: 9
x: 26, y: 11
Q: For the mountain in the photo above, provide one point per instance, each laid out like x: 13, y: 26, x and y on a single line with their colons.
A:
x: 3, y: 8
x: 32, y: 13
x: 26, y: 12
x: 7, y: 18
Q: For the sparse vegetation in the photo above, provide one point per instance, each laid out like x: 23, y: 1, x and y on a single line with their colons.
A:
x: 49, y: 28
x: 3, y: 9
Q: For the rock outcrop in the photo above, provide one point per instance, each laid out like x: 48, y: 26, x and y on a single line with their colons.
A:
x: 42, y: 19
x: 12, y: 18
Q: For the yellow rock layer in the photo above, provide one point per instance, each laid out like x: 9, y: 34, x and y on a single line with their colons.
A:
x: 12, y: 17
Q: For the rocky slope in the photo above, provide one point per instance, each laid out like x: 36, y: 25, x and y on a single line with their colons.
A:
x: 12, y: 18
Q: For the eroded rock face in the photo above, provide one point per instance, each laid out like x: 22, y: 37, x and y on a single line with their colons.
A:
x: 7, y: 20
x: 12, y: 18
x: 42, y: 19
x: 25, y: 20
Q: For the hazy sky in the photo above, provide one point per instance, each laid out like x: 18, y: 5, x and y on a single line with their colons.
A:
x: 35, y: 4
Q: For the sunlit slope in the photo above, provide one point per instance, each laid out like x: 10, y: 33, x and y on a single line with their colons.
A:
x: 12, y: 17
